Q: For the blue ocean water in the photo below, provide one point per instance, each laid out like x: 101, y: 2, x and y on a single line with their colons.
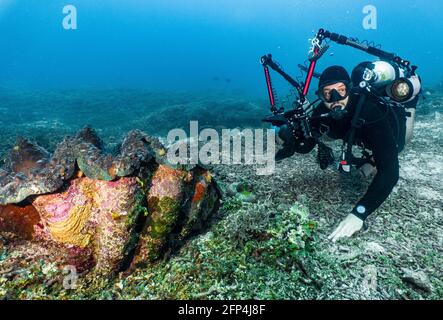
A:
x: 199, y: 44
x: 155, y: 65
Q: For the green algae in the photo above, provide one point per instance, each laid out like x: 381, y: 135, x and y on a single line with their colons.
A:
x: 246, y: 193
x: 211, y: 265
x: 162, y: 218
x: 165, y: 213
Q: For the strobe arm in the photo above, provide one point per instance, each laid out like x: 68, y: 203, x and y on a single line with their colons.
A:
x: 306, y: 69
x: 384, y: 55
x: 267, y: 61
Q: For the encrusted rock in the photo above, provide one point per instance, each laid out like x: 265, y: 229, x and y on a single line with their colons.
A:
x: 417, y: 279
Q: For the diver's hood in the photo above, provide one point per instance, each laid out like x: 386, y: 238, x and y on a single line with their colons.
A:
x: 333, y: 74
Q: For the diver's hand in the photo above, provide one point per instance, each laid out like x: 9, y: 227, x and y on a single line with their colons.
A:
x: 350, y: 225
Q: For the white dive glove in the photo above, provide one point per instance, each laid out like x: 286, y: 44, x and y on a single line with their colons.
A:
x: 350, y: 225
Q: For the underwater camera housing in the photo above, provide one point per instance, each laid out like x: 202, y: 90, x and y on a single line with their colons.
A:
x: 388, y: 79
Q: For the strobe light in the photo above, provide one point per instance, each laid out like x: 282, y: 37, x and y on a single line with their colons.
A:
x: 404, y: 89
x: 388, y: 79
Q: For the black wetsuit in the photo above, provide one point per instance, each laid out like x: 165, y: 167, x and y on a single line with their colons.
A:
x: 383, y: 133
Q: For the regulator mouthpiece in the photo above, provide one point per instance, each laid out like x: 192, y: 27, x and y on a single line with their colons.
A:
x: 338, y: 113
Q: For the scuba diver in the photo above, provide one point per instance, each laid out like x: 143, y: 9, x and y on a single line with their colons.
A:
x: 381, y: 132
x: 373, y: 109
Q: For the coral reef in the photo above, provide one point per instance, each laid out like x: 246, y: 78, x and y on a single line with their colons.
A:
x: 400, y: 253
